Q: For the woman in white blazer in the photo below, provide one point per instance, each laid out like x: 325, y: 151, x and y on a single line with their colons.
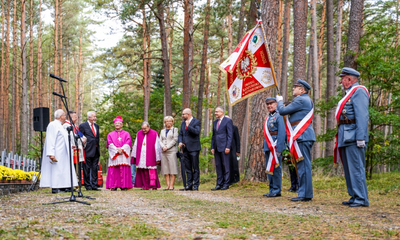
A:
x: 168, y: 140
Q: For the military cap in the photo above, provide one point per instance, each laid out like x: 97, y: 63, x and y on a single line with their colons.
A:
x: 302, y: 83
x: 270, y: 99
x: 349, y: 71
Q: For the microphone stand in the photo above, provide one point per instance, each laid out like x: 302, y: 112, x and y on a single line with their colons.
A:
x: 72, y: 198
x: 80, y: 194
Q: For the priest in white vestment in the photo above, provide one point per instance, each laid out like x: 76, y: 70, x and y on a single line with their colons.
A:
x: 146, y: 153
x: 56, y: 160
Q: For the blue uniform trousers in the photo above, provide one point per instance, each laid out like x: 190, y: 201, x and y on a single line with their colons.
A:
x: 304, y: 171
x: 133, y: 172
x: 275, y: 180
x: 353, y: 159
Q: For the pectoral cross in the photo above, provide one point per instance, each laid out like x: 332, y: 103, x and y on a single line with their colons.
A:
x: 144, y: 143
x: 119, y: 138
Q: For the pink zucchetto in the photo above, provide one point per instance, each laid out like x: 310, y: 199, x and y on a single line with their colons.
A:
x: 118, y: 119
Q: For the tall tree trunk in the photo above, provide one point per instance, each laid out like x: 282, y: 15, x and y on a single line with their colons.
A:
x: 317, y: 123
x: 164, y: 49
x: 24, y: 81
x: 299, y: 39
x: 330, y: 76
x: 7, y: 81
x: 170, y: 34
x: 354, y: 34
x: 203, y: 62
x: 39, y: 59
x: 15, y: 109
x: 79, y: 79
x: 187, y: 52
x: 60, y: 47
x: 256, y: 163
x: 279, y: 45
x: 56, y: 25
x: 242, y: 13
x: 321, y: 39
x: 338, y: 38
x: 221, y: 59
x: 230, y: 41
x: 146, y: 83
x: 2, y: 76
x: 285, y: 52
x: 31, y: 84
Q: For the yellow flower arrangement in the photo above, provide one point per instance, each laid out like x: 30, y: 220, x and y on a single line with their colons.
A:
x: 10, y: 174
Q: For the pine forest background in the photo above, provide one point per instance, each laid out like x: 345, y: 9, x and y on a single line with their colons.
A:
x: 168, y: 60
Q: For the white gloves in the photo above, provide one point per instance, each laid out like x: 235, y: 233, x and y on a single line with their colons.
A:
x: 279, y: 98
x: 360, y: 143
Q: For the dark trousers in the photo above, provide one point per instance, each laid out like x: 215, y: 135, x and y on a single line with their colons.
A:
x: 222, y: 167
x: 90, y: 169
x: 293, y: 178
x: 191, y: 163
x: 234, y: 169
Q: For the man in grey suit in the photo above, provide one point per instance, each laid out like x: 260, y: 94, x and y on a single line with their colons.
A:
x: 353, y: 136
x: 298, y: 109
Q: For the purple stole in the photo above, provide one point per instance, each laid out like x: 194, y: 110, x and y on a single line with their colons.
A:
x: 150, y: 147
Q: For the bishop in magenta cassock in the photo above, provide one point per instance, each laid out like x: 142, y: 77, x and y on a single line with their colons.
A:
x: 146, y: 153
x: 119, y: 146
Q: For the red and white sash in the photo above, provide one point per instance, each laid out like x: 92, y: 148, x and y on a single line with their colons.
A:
x: 295, y: 133
x: 273, y: 158
x: 339, y: 109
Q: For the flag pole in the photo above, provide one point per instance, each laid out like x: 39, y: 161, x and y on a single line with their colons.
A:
x: 266, y: 46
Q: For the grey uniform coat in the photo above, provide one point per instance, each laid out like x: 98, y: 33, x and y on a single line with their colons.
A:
x: 353, y: 157
x: 298, y: 109
x: 276, y: 123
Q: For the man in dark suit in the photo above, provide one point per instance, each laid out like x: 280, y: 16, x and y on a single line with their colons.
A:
x: 92, y: 151
x: 189, y: 142
x: 220, y: 147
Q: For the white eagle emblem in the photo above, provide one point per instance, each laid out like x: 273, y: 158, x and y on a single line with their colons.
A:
x: 244, y: 65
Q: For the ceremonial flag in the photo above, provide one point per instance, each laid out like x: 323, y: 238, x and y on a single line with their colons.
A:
x: 249, y: 68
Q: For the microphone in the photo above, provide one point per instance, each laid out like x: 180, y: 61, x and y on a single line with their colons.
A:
x: 57, y: 94
x: 58, y: 78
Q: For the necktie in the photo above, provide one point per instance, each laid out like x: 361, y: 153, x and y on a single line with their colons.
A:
x: 218, y: 124
x: 94, y: 132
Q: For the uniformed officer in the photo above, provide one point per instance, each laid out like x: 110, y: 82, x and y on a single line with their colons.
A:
x: 298, y: 109
x: 276, y: 128
x: 353, y: 137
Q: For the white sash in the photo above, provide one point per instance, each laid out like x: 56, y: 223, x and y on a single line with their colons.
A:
x: 339, y: 109
x: 293, y: 134
x: 273, y: 158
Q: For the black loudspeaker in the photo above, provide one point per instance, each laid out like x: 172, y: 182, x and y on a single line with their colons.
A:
x: 40, y: 119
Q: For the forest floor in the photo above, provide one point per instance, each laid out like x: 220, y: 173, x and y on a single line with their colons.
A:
x: 238, y: 213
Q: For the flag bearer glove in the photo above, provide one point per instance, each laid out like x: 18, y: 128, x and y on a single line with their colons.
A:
x: 360, y: 143
x: 279, y: 98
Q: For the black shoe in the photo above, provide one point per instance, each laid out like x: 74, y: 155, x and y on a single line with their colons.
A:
x: 188, y: 188
x: 273, y: 195
x: 182, y: 189
x: 346, y: 203
x: 357, y: 205
x: 225, y: 188
x: 300, y: 199
x: 195, y: 189
x: 216, y: 188
x: 57, y: 190
x: 95, y: 189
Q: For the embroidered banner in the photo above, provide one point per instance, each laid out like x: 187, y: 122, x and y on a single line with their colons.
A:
x: 249, y: 68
